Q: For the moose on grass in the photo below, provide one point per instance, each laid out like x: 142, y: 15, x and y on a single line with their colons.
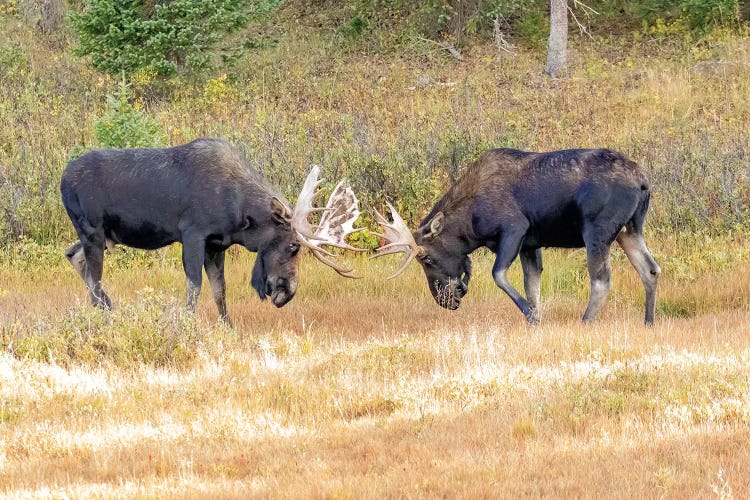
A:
x: 516, y: 202
x: 206, y: 196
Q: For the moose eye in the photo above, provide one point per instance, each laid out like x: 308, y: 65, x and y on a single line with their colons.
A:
x: 427, y: 261
x: 293, y: 248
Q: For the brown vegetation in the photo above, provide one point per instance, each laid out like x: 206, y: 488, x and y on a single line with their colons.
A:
x: 366, y: 388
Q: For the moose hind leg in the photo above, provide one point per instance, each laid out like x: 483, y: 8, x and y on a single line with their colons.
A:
x: 649, y: 271
x: 600, y: 276
x: 75, y: 256
x: 94, y: 263
x: 214, y: 265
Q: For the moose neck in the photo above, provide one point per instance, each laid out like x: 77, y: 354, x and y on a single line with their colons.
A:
x: 459, y: 228
x: 258, y: 226
x: 457, y: 207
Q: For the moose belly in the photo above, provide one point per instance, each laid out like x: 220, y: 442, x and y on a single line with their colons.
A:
x: 144, y: 235
x: 561, y: 232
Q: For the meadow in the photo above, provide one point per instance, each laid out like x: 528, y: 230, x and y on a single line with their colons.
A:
x: 366, y: 388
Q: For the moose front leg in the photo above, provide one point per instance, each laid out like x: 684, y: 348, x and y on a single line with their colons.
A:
x: 214, y: 264
x: 531, y: 262
x: 193, y: 254
x: 508, y: 248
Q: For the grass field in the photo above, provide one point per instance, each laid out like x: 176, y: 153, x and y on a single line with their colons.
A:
x: 365, y: 388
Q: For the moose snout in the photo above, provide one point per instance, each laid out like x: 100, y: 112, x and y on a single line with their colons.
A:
x: 461, y: 289
x: 448, y: 294
x: 281, y: 290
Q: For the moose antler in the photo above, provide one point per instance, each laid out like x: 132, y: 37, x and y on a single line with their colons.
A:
x: 399, y: 239
x: 335, y: 224
x: 338, y: 218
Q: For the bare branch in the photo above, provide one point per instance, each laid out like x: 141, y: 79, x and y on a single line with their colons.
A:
x: 500, y: 42
x: 447, y: 46
x: 581, y: 27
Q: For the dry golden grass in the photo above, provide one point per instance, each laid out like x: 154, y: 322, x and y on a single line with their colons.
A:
x: 368, y: 389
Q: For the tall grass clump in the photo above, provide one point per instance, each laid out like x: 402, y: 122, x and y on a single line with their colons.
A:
x: 151, y: 330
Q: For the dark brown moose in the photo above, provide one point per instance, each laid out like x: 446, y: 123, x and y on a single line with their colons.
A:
x: 206, y: 196
x: 515, y: 202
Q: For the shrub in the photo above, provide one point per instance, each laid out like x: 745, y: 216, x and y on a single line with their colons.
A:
x: 13, y: 59
x: 167, y: 37
x: 123, y: 126
x: 699, y: 15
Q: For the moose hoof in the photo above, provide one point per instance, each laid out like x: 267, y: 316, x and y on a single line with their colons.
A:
x: 101, y: 302
x: 532, y: 316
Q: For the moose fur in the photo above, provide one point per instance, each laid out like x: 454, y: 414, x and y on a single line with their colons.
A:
x: 202, y: 194
x: 516, y: 202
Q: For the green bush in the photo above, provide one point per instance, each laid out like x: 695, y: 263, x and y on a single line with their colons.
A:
x: 354, y: 28
x: 123, y: 126
x: 166, y: 37
x: 700, y: 15
x: 13, y: 59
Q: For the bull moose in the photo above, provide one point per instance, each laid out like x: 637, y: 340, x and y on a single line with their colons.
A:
x: 205, y: 195
x: 513, y: 202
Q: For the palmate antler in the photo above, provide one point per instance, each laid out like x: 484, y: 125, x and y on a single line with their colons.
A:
x: 335, y: 224
x: 399, y: 239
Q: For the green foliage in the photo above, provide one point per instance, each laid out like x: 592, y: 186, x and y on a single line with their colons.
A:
x: 13, y: 59
x: 354, y: 28
x: 701, y: 15
x: 528, y: 20
x: 533, y: 27
x: 123, y: 126
x: 166, y: 37
x: 676, y: 308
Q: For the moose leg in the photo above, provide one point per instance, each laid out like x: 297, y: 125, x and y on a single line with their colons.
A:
x: 193, y: 254
x: 641, y: 259
x: 93, y: 253
x: 597, y: 260
x: 531, y: 262
x: 75, y: 256
x: 508, y: 248
x: 214, y: 264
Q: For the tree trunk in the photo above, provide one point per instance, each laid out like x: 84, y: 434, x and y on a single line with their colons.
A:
x: 557, y: 47
x: 45, y: 15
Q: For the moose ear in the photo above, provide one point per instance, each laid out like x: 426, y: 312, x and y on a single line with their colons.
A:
x: 280, y: 211
x: 436, y: 225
